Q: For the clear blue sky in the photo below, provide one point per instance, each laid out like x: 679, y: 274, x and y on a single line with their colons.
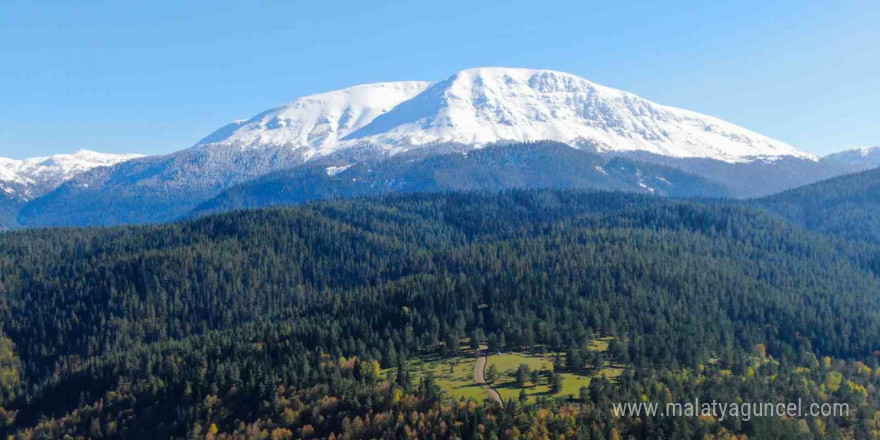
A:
x: 155, y: 77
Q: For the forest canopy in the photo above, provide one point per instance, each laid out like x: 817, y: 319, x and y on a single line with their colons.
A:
x: 299, y: 322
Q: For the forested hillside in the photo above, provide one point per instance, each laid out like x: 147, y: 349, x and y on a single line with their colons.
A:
x: 300, y: 322
x: 523, y: 165
x: 8, y: 208
x: 847, y: 206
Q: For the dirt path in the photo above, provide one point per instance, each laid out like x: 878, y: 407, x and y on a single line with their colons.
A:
x: 479, y: 378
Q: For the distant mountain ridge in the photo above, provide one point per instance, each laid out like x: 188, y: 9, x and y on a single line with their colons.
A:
x: 23, y: 180
x: 847, y: 206
x: 394, y: 122
x: 863, y: 157
x: 29, y: 178
x: 151, y: 189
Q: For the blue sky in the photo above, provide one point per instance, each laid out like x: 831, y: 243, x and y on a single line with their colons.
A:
x: 154, y: 77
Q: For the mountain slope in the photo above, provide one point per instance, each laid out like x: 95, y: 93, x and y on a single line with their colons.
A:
x: 162, y: 188
x: 9, y: 207
x: 534, y: 165
x: 29, y: 178
x: 486, y: 105
x: 318, y: 122
x: 24, y: 180
x: 864, y: 157
x: 846, y: 206
x: 757, y: 178
x: 468, y: 110
x: 152, y: 189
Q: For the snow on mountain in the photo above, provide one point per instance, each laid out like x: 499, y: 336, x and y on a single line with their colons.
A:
x: 489, y: 105
x: 367, y: 123
x: 29, y: 178
x: 318, y: 121
x: 864, y: 157
x: 8, y: 171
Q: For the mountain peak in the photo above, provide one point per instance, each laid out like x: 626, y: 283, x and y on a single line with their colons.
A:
x: 484, y: 105
x: 517, y: 74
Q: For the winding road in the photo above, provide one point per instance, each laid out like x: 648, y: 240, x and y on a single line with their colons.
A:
x: 480, y: 379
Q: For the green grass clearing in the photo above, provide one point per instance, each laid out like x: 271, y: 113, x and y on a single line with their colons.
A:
x: 600, y: 344
x: 507, y: 363
x: 455, y: 375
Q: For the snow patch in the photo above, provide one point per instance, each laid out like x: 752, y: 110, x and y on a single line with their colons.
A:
x: 332, y: 171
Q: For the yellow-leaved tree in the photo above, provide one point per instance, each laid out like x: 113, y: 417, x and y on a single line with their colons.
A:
x: 10, y: 370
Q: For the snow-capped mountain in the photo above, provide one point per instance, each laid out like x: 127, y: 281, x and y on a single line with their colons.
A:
x: 471, y: 109
x: 29, y: 178
x: 862, y: 157
x: 490, y: 105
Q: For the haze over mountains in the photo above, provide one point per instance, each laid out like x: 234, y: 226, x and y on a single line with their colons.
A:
x: 353, y: 134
